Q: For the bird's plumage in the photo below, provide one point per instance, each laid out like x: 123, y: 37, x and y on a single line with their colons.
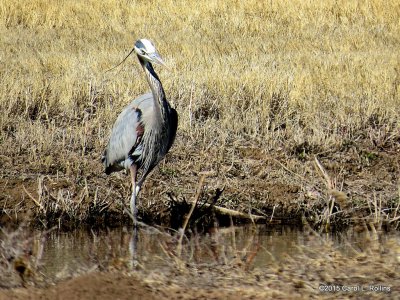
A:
x: 125, y: 133
x: 145, y: 130
x: 125, y: 146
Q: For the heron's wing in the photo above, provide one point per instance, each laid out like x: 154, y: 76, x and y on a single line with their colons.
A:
x: 144, y: 102
x: 126, y: 131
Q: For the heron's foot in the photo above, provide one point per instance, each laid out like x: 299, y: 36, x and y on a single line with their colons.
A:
x: 135, y: 218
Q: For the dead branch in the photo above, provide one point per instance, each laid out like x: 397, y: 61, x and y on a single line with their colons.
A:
x: 234, y: 213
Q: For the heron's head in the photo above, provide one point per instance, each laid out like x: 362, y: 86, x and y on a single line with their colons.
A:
x: 145, y: 49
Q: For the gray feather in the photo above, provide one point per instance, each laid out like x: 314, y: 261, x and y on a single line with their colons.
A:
x: 124, y: 133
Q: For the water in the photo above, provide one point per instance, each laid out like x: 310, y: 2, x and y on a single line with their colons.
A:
x: 67, y: 253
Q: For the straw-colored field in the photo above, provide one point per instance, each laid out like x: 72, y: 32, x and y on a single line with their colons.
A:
x: 260, y: 88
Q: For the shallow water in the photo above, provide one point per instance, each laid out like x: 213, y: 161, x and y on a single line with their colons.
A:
x: 67, y: 253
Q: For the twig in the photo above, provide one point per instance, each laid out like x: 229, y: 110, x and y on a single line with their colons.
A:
x: 288, y: 170
x: 235, y: 213
x: 194, y: 203
x: 330, y: 186
x: 33, y: 199
x: 395, y: 212
x: 273, y: 211
x: 218, y: 194
x: 252, y: 255
x: 324, y: 174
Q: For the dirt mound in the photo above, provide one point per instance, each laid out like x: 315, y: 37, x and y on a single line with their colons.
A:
x: 105, y: 286
x: 90, y: 286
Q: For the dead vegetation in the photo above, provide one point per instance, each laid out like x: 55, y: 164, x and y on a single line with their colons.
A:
x: 261, y: 89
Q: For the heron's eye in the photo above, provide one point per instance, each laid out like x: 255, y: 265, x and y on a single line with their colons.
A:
x: 143, y: 52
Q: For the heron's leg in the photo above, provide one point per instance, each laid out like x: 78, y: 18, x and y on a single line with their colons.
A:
x: 133, y: 169
x: 139, y: 184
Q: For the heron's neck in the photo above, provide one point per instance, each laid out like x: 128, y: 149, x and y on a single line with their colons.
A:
x: 156, y: 88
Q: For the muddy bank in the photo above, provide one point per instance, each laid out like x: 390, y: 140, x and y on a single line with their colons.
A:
x: 108, y: 286
x: 90, y: 286
x: 340, y: 189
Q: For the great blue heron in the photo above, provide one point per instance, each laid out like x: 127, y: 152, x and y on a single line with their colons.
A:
x: 146, y: 128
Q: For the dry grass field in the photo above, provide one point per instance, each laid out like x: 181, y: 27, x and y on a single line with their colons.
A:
x: 261, y: 88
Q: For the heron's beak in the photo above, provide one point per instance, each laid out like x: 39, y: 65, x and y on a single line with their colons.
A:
x: 122, y: 60
x: 156, y: 58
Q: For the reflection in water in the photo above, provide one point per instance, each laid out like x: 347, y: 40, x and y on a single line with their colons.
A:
x: 67, y: 253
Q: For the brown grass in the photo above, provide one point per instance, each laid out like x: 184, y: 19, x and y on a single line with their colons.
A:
x: 260, y: 88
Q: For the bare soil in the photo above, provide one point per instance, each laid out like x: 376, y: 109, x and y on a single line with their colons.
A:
x: 114, y: 285
x: 91, y: 286
x: 283, y: 187
x: 117, y: 286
